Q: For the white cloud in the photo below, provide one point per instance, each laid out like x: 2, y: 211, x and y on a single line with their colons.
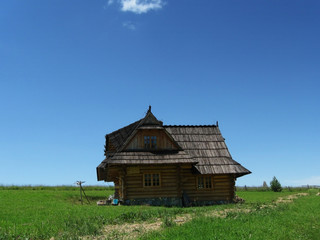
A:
x: 129, y: 25
x: 138, y: 6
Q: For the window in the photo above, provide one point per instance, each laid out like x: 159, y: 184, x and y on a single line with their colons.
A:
x: 151, y: 180
x: 146, y: 142
x: 204, y: 182
x: 147, y: 180
x: 150, y: 142
x: 153, y: 142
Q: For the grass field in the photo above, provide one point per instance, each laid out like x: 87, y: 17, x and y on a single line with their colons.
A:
x: 297, y: 220
x: 46, y: 212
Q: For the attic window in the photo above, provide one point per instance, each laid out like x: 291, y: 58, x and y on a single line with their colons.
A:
x: 150, y: 142
x: 204, y: 182
x: 151, y: 180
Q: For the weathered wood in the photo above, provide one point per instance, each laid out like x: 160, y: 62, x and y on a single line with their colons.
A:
x: 164, y: 142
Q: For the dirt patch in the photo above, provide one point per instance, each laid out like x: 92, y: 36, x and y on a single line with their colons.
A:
x: 181, y: 219
x: 290, y: 198
x: 126, y: 231
x: 224, y: 213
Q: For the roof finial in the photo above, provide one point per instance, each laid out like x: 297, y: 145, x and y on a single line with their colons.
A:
x: 149, y: 110
x: 217, y: 124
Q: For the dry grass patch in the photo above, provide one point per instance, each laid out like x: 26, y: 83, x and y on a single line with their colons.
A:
x: 181, y: 219
x: 126, y: 231
x: 290, y: 198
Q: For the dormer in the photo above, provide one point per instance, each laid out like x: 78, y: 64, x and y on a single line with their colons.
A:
x: 150, y: 135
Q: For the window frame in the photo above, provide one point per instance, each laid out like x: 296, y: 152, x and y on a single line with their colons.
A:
x: 152, y: 179
x: 153, y: 142
x: 150, y: 142
x: 205, y: 182
x: 146, y: 142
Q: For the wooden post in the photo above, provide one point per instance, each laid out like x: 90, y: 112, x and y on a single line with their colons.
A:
x: 79, y: 183
x: 81, y: 193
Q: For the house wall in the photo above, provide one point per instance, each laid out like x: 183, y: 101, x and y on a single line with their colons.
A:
x: 168, y: 182
x: 222, y: 190
x: 174, y: 181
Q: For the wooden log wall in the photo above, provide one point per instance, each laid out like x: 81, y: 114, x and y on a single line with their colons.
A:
x: 174, y: 180
x: 168, y: 182
x: 222, y: 187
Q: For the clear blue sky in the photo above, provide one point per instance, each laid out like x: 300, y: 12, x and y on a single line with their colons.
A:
x: 72, y: 71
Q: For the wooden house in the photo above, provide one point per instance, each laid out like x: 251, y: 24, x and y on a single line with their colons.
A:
x: 156, y: 164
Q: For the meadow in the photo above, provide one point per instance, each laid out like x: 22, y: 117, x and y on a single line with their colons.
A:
x: 56, y: 213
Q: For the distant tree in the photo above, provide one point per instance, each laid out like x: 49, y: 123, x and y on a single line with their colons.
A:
x: 275, y: 185
x: 264, y: 185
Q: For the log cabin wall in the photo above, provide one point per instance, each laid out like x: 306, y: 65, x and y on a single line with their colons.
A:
x: 168, y: 188
x: 222, y: 188
x: 174, y: 180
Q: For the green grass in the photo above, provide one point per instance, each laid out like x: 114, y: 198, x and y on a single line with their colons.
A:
x: 298, y: 220
x: 55, y: 212
x: 44, y: 212
x: 262, y: 197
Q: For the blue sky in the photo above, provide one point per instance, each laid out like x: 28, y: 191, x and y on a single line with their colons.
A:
x: 72, y: 71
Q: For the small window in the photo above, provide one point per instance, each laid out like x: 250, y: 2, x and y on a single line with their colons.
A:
x: 151, y: 180
x: 155, y: 179
x: 150, y: 142
x: 153, y: 142
x: 147, y: 142
x: 204, y: 182
x: 147, y: 180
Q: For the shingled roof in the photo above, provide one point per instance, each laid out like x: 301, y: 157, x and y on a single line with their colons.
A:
x: 171, y: 157
x: 117, y: 138
x: 202, y: 145
x: 206, y: 145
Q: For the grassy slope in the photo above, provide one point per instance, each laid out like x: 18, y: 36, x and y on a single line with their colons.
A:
x: 298, y: 220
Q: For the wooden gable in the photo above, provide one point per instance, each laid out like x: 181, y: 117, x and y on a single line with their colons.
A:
x: 163, y: 141
x: 151, y: 130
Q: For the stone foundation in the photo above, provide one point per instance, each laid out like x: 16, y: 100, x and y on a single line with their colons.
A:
x: 169, y: 202
x: 164, y: 201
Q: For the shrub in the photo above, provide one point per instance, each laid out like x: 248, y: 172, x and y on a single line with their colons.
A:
x: 275, y: 185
